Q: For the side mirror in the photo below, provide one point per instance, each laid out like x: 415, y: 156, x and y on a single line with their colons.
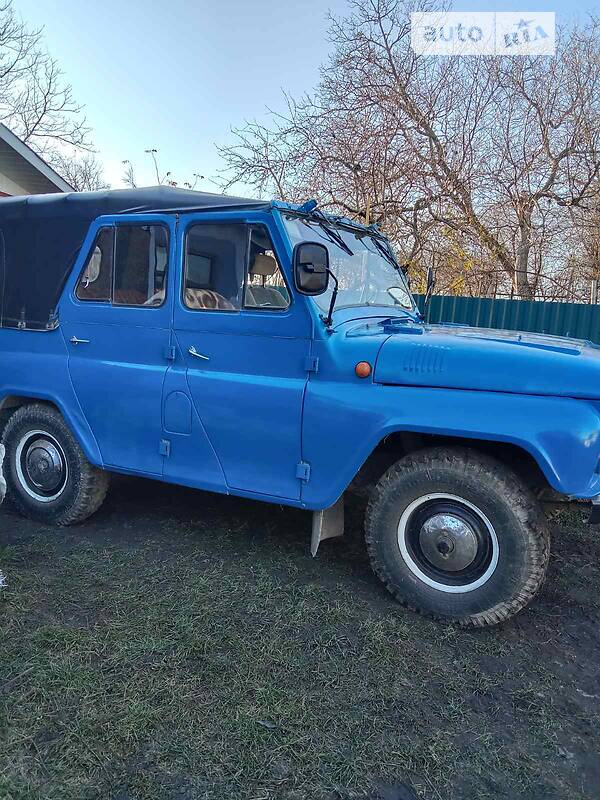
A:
x: 311, y: 268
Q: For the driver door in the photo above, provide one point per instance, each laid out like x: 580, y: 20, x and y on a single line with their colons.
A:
x: 244, y: 342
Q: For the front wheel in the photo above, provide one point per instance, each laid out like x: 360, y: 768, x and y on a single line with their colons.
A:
x: 456, y: 535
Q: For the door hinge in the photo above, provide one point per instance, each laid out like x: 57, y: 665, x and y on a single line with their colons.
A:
x: 170, y: 353
x: 311, y: 364
x: 164, y: 448
x: 303, y: 471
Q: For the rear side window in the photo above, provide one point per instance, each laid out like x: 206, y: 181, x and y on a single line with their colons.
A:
x: 140, y: 265
x: 127, y: 266
x: 96, y: 280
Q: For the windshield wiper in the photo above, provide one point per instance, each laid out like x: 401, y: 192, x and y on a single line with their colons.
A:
x: 384, y: 252
x: 334, y: 236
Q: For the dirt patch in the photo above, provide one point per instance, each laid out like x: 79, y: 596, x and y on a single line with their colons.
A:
x: 185, y: 645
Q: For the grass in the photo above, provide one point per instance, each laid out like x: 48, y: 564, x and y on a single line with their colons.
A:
x: 185, y: 646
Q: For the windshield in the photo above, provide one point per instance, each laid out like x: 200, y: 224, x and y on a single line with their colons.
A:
x: 361, y: 263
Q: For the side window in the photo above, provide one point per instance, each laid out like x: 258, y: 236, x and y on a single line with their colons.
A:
x: 95, y: 282
x: 215, y: 259
x: 265, y: 286
x: 126, y: 266
x: 140, y: 265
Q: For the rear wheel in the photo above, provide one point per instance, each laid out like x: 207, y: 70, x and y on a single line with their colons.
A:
x: 456, y: 535
x: 47, y: 474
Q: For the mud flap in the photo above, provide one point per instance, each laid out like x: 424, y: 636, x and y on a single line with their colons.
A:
x: 327, y: 524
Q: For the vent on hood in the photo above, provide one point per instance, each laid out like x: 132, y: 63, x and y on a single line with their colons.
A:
x: 425, y: 359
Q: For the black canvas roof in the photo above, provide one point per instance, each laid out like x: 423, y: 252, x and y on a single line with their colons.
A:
x: 41, y: 235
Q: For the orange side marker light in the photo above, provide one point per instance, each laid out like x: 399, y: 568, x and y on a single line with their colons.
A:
x: 362, y: 369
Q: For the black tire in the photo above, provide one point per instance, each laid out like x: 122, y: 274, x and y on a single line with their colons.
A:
x: 457, y: 536
x: 48, y: 476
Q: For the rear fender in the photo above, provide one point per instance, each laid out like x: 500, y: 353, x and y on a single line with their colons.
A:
x: 36, y: 364
x: 71, y: 413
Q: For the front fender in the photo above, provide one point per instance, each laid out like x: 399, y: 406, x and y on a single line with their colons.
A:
x: 342, y: 427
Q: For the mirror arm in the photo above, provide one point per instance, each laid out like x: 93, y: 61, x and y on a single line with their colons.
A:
x: 328, y: 319
x: 428, y: 295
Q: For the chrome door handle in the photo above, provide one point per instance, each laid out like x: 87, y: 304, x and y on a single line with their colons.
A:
x: 75, y: 340
x: 193, y: 352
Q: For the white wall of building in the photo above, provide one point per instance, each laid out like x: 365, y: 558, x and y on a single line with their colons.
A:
x: 10, y: 187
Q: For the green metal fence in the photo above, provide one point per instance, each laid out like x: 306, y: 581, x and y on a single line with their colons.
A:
x: 563, y: 319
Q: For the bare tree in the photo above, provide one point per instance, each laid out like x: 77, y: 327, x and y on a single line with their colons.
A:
x: 584, y: 260
x: 166, y: 179
x: 478, y: 162
x: 128, y: 177
x: 35, y: 101
x: 83, y: 173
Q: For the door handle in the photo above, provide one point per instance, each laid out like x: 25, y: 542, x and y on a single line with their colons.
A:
x: 193, y: 352
x: 75, y: 340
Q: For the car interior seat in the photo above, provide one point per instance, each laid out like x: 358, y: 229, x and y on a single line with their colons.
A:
x: 258, y: 295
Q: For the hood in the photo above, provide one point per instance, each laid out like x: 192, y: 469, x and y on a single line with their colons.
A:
x: 457, y: 357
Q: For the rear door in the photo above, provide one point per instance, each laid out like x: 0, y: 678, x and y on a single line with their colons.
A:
x: 116, y: 322
x: 244, y: 341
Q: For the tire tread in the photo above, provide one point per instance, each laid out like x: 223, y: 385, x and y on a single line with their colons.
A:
x: 522, y: 500
x: 93, y: 482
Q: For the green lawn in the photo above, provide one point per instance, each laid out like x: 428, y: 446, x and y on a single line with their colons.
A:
x: 182, y: 645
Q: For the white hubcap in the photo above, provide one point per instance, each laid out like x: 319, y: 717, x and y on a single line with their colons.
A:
x: 448, y: 543
x: 41, y: 466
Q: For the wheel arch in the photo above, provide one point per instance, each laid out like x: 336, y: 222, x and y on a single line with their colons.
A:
x: 532, y: 469
x: 13, y: 400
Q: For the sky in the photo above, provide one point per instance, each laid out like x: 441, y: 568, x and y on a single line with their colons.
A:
x: 178, y: 75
